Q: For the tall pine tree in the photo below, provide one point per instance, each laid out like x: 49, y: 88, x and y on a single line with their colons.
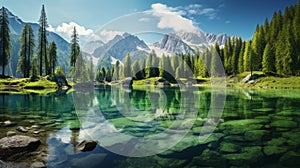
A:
x: 52, y: 57
x: 74, y: 48
x: 26, y: 51
x: 5, y: 46
x: 42, y: 47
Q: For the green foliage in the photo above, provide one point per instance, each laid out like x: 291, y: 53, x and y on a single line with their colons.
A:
x: 59, y: 71
x: 26, y: 51
x: 268, y: 63
x: 52, y: 57
x: 75, y: 49
x: 42, y: 40
x: 80, y: 70
x: 127, y: 66
x: 5, y: 46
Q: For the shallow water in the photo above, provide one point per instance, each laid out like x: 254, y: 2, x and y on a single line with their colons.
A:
x: 159, y: 127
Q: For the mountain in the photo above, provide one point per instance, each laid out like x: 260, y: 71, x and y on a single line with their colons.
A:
x: 16, y: 25
x: 188, y: 42
x: 118, y: 47
x: 90, y: 46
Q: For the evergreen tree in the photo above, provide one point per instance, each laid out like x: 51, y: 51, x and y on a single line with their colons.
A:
x: 268, y: 60
x: 42, y: 47
x: 26, y: 51
x: 148, y: 66
x: 116, y: 75
x: 241, y: 58
x: 91, y: 71
x: 127, y: 66
x: 248, y: 62
x: 108, y: 75
x: 52, y: 57
x: 258, y: 46
x: 74, y: 48
x: 80, y: 70
x: 5, y: 46
x: 137, y: 74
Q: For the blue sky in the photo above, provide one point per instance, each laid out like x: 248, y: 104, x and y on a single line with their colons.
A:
x: 110, y: 17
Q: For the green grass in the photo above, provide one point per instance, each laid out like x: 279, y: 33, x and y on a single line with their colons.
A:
x: 151, y: 81
x: 266, y: 81
x: 41, y: 84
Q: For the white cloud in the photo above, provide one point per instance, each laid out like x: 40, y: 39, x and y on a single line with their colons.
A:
x: 106, y: 35
x: 67, y: 28
x: 171, y: 18
x: 50, y: 29
x: 210, y: 12
x: 192, y: 11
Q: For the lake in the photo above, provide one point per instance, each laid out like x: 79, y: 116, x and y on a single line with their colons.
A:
x: 158, y: 127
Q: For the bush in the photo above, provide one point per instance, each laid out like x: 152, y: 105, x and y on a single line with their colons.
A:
x: 60, y: 72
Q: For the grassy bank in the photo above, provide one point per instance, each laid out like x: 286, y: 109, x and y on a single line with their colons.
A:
x: 264, y: 81
x: 24, y: 85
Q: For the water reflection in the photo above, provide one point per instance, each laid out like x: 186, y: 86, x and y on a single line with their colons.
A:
x: 257, y: 128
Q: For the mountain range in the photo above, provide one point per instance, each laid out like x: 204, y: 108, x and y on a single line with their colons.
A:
x: 106, y: 54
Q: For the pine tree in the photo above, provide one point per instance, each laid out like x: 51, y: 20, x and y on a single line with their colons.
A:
x: 42, y: 48
x: 268, y: 60
x: 80, y: 72
x: 26, y: 51
x: 5, y: 46
x: 74, y: 48
x: 52, y: 57
x: 91, y: 71
x: 127, y: 66
x: 248, y: 62
x: 148, y: 66
x: 108, y: 75
x: 116, y: 75
x: 135, y: 70
x: 241, y: 58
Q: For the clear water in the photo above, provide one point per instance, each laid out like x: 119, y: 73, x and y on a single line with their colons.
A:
x: 159, y: 127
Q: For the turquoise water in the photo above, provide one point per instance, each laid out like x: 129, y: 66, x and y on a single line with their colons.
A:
x: 159, y: 127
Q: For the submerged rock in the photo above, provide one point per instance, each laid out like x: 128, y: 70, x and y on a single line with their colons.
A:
x: 226, y: 147
x: 8, y: 123
x: 17, y: 144
x: 38, y: 165
x: 22, y: 129
x: 11, y: 133
x: 291, y: 159
x: 87, y: 145
x: 248, y: 156
x: 284, y: 124
x: 209, y: 158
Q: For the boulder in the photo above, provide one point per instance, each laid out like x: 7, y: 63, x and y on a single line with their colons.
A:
x: 22, y: 129
x: 38, y: 165
x: 87, y: 145
x: 17, y: 144
x: 162, y: 82
x: 8, y: 123
x: 11, y: 133
x: 127, y: 81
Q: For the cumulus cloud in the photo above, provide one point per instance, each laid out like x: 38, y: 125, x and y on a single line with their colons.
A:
x: 67, y: 28
x: 209, y: 12
x: 171, y: 18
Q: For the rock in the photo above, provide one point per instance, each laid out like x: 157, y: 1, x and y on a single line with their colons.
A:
x: 291, y: 159
x: 127, y: 81
x: 38, y: 165
x: 226, y: 147
x: 251, y: 82
x: 35, y: 127
x: 248, y: 156
x: 235, y: 127
x: 11, y: 133
x: 274, y: 150
x: 36, y: 132
x: 255, y: 135
x: 8, y: 123
x: 209, y: 158
x: 284, y: 124
x: 161, y: 80
x: 87, y: 145
x: 17, y: 144
x: 22, y: 129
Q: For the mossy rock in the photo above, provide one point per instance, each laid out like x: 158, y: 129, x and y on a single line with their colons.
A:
x: 226, y: 147
x: 235, y: 127
x: 284, y: 124
x: 274, y: 150
x: 255, y: 135
x: 247, y: 156
x: 291, y: 159
x: 209, y: 158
